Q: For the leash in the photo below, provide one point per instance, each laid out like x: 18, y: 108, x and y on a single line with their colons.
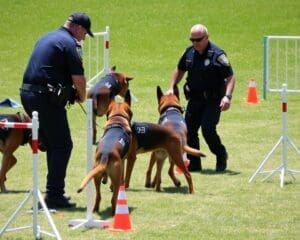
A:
x: 82, y: 108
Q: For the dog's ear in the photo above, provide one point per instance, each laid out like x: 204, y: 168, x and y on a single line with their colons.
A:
x: 113, y: 69
x: 128, y: 78
x: 159, y: 93
x: 176, y: 91
x: 128, y: 97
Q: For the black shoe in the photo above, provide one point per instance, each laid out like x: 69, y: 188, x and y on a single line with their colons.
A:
x: 59, y: 202
x: 221, y: 164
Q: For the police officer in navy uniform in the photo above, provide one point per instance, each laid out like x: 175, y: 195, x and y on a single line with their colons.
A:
x: 209, y: 86
x: 54, y: 77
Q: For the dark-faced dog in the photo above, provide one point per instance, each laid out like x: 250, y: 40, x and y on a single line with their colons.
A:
x: 104, y: 91
x: 112, y: 150
x: 149, y: 137
x: 10, y: 140
x: 170, y: 117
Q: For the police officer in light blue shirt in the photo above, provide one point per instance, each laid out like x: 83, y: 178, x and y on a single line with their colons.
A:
x: 53, y: 77
x: 208, y: 88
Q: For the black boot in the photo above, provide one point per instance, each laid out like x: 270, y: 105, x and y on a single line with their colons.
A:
x: 221, y: 164
x: 195, y: 165
x: 59, y: 202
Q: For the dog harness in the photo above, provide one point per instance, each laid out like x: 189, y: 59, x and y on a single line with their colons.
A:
x: 109, y: 81
x: 174, y: 115
x: 142, y: 133
x: 115, y: 133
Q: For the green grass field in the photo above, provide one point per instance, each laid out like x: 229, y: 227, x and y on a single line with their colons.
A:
x: 147, y: 38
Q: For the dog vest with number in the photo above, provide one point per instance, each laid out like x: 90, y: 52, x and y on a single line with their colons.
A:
x: 109, y: 81
x: 113, y: 135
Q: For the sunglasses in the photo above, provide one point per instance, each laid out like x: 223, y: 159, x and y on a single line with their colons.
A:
x: 197, y: 39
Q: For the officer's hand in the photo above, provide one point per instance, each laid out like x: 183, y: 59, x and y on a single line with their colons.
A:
x: 72, y: 96
x: 225, y: 103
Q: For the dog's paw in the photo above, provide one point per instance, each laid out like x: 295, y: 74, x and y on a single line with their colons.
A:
x: 178, y: 183
x: 79, y: 190
x: 104, y: 178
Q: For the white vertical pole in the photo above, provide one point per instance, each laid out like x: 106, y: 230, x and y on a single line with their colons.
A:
x: 106, y: 51
x: 296, y: 65
x: 89, y: 154
x: 89, y: 58
x: 89, y: 221
x: 277, y: 63
x: 286, y: 61
x: 284, y: 134
x: 35, y: 172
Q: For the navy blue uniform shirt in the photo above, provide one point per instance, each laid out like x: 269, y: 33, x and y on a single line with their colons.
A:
x: 207, y: 71
x: 56, y: 56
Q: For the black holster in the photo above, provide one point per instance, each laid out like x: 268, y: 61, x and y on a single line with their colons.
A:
x: 60, y: 95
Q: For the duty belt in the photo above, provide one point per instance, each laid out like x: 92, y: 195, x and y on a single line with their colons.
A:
x: 34, y: 88
x: 205, y: 95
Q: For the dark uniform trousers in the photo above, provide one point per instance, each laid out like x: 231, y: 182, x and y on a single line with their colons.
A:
x: 204, y: 114
x: 54, y: 132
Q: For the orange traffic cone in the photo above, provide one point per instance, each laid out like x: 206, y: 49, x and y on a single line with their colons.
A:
x: 252, y: 96
x: 121, y: 219
x: 186, y: 162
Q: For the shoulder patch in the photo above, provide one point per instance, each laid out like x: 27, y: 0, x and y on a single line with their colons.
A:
x: 223, y: 60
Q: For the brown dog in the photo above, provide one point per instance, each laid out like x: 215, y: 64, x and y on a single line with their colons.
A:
x: 104, y: 91
x: 112, y: 150
x: 170, y: 117
x: 149, y: 137
x: 10, y: 140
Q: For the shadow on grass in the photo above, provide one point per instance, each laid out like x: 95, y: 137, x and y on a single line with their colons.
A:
x: 139, y: 189
x: 183, y: 190
x: 107, y: 213
x: 15, y: 192
x: 173, y: 189
x: 213, y: 172
x: 103, y: 214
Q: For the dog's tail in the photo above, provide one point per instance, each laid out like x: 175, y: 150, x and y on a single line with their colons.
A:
x: 193, y: 151
x: 94, y: 172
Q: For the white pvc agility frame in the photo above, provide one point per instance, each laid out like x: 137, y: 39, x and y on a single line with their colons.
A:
x: 92, y: 78
x: 89, y: 222
x: 286, y: 64
x: 284, y: 140
x: 34, y: 192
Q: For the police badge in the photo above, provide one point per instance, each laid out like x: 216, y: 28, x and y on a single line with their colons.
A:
x: 206, y: 62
